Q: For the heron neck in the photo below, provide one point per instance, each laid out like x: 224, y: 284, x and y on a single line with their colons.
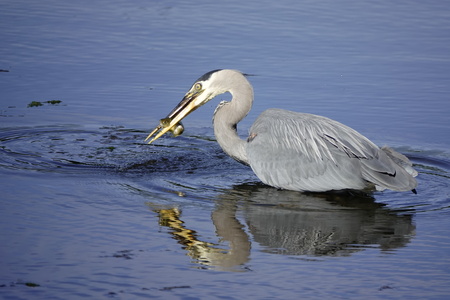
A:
x: 226, y: 118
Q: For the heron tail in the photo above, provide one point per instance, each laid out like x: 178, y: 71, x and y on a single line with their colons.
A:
x: 390, y: 170
x: 400, y: 160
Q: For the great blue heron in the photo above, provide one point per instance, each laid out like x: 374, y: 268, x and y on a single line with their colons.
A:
x: 290, y: 150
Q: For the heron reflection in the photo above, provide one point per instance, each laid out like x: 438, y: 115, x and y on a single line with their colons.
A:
x: 289, y: 223
x: 228, y: 228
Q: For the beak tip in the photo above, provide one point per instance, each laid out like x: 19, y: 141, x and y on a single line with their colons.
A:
x: 152, y: 133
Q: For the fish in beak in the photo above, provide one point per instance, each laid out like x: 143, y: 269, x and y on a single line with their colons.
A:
x: 191, y: 101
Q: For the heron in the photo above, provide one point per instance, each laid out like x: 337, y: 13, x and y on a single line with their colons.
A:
x: 291, y: 150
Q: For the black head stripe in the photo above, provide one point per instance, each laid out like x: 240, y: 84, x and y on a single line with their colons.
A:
x: 207, y: 75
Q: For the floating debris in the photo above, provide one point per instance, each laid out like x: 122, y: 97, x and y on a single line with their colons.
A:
x: 35, y: 104
x: 169, y: 288
x: 20, y: 282
x: 39, y: 103
x: 53, y: 102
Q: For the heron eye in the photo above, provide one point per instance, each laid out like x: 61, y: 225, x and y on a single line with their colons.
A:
x: 198, y: 86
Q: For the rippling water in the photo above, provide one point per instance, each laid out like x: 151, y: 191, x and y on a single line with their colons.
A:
x: 89, y: 210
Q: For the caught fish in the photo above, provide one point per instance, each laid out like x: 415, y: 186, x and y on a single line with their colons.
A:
x: 176, y: 130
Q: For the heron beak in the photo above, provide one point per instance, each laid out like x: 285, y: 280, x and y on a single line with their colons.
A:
x: 173, y: 120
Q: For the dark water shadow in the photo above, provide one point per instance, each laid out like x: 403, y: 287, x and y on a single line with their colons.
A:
x: 72, y: 149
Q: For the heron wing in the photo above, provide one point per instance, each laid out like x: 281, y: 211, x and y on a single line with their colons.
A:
x: 313, y: 153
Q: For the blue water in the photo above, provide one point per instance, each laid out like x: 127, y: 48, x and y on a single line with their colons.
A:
x: 90, y: 211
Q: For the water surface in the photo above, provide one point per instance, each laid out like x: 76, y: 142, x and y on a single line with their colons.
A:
x: 89, y: 210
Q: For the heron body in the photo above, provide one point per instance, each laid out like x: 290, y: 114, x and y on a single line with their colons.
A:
x: 290, y: 150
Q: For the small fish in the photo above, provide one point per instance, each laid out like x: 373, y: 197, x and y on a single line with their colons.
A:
x: 176, y: 130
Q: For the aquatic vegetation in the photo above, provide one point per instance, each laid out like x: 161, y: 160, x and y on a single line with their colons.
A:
x: 35, y: 104
x: 39, y: 103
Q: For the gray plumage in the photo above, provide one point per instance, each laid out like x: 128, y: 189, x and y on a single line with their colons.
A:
x: 306, y: 152
x: 295, y: 151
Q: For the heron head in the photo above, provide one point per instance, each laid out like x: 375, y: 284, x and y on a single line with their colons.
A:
x: 204, y: 89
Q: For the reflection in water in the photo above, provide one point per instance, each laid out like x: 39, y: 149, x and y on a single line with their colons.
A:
x: 291, y: 223
x: 281, y: 222
x: 208, y: 254
x: 328, y: 224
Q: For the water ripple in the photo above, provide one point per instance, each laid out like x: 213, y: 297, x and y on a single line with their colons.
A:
x: 192, y: 165
x: 73, y: 149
